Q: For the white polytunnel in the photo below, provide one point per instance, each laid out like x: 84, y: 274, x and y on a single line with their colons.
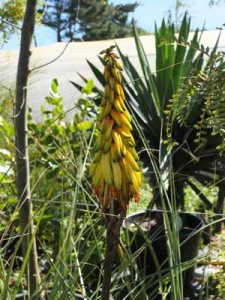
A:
x: 64, y: 62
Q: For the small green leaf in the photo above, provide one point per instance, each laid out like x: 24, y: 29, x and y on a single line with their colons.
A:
x: 166, y: 112
x: 12, y: 200
x: 197, y: 126
x: 214, y: 133
x: 86, y: 125
x: 161, y: 44
x: 53, y: 100
x: 54, y: 86
x: 88, y: 87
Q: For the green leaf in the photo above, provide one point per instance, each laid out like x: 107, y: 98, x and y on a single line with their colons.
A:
x: 54, y: 86
x: 149, y: 77
x: 12, y: 200
x: 97, y: 72
x: 88, y: 89
x: 53, y: 100
x: 8, y: 128
x: 85, y: 125
x: 77, y: 86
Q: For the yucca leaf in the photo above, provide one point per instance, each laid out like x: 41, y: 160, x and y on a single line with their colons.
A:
x: 181, y: 49
x: 164, y: 42
x: 216, y: 44
x: 77, y: 86
x: 134, y: 78
x: 98, y: 74
x: 200, y: 194
x: 190, y: 62
x: 132, y: 98
x: 142, y: 97
x: 147, y: 73
x: 80, y: 87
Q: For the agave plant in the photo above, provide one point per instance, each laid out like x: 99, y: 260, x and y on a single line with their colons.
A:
x: 179, y: 108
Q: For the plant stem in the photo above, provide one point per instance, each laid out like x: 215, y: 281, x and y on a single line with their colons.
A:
x: 22, y: 156
x: 113, y: 225
x: 219, y: 206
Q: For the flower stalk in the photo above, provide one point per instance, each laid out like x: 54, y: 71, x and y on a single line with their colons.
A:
x: 114, y: 170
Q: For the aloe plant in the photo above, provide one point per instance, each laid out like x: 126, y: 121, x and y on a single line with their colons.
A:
x: 179, y: 108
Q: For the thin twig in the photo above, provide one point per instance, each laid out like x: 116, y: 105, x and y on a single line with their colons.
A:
x: 52, y: 61
x: 11, y: 24
x: 22, y: 104
x: 64, y: 49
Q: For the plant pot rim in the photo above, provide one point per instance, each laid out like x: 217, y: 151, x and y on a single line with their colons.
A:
x: 129, y: 217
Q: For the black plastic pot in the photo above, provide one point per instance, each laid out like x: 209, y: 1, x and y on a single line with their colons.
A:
x: 148, y: 241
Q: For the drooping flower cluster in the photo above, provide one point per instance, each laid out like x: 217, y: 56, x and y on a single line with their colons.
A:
x: 114, y: 169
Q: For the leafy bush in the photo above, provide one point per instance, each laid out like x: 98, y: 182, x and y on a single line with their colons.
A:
x: 69, y: 226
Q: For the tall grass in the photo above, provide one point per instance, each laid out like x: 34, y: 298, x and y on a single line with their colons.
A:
x: 69, y: 226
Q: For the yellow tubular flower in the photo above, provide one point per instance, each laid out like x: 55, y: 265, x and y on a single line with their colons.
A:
x: 114, y: 169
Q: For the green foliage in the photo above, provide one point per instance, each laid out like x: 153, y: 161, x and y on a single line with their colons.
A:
x: 179, y: 108
x: 60, y: 143
x: 200, y: 101
x: 168, y: 124
x: 65, y: 212
x: 7, y: 166
x: 70, y: 229
x: 216, y: 280
x: 87, y: 19
x: 11, y: 13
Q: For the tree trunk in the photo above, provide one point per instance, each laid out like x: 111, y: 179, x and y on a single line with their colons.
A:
x: 22, y: 158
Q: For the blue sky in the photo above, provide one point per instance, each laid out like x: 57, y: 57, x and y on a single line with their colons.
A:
x: 200, y: 11
x: 149, y: 12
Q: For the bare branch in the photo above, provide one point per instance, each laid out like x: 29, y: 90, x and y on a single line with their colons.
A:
x: 52, y: 61
x: 11, y: 24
